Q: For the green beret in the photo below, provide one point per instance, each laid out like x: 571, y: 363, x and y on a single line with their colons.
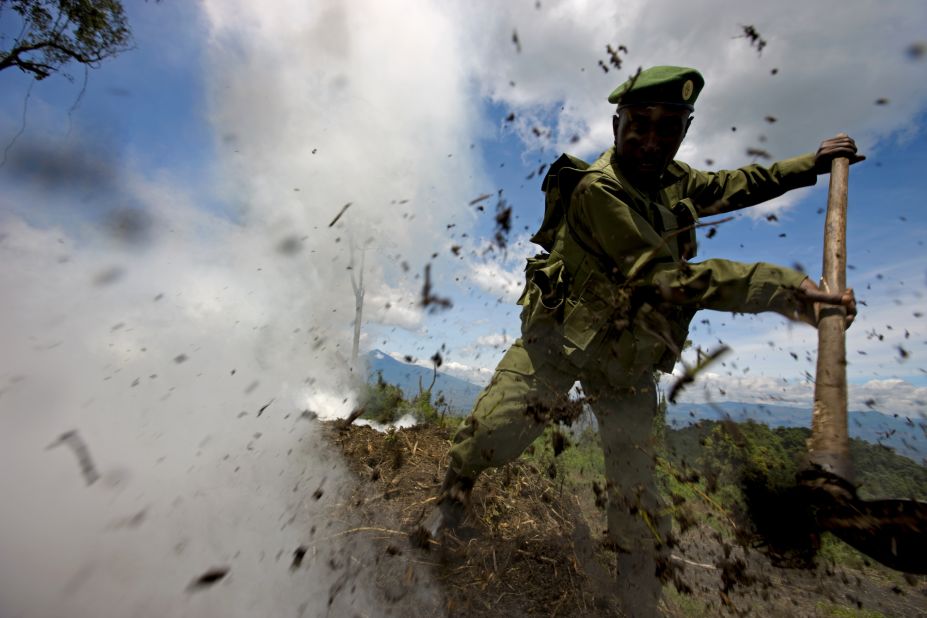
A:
x: 665, y: 85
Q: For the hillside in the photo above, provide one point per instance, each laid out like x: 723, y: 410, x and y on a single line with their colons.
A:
x: 881, y: 473
x: 458, y: 393
x: 907, y: 437
x: 532, y: 543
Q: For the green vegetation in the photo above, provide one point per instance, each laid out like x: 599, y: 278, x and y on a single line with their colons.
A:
x: 724, y: 451
x: 825, y: 608
x: 712, y: 473
x: 734, y: 477
x: 384, y: 403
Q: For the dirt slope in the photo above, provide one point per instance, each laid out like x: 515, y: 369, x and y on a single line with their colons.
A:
x: 531, y: 548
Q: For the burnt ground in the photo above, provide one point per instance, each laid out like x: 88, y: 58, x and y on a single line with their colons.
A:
x: 531, y: 547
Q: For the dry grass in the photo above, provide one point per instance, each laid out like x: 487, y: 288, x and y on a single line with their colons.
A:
x: 524, y: 548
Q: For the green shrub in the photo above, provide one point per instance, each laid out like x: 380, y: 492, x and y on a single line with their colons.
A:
x: 383, y: 402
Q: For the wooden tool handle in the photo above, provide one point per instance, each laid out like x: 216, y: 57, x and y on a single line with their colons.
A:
x: 829, y: 447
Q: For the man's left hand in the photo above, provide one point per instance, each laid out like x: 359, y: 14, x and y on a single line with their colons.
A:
x: 833, y: 148
x: 812, y: 297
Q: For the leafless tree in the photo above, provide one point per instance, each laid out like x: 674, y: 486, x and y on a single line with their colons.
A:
x: 357, y: 283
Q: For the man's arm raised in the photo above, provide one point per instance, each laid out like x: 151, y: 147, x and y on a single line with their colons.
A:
x: 727, y: 190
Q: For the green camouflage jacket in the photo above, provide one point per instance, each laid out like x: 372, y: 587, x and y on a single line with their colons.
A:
x: 617, y: 254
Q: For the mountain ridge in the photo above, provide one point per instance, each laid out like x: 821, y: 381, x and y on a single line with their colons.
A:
x: 905, y: 436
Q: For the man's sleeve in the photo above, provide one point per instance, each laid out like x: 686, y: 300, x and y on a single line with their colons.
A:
x: 639, y: 257
x: 727, y: 190
x: 724, y: 285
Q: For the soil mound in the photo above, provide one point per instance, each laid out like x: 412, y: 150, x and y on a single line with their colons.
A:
x: 524, y: 549
x: 531, y: 547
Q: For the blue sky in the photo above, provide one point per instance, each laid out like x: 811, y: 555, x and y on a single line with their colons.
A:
x: 161, y: 116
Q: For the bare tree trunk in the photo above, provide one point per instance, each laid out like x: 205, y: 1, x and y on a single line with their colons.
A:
x: 358, y: 285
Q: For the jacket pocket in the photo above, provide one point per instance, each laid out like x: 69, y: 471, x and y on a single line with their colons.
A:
x: 584, y: 318
x: 593, y: 309
x: 543, y: 297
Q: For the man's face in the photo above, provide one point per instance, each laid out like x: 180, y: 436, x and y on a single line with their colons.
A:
x: 647, y: 138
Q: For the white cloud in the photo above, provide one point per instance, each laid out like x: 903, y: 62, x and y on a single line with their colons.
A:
x: 777, y: 205
x: 827, y: 79
x: 890, y: 396
x: 471, y: 373
x: 496, y: 340
x: 411, y: 360
x: 500, y: 274
x: 495, y: 280
x: 390, y: 306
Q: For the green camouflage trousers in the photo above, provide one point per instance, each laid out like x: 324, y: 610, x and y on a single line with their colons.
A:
x: 528, y: 389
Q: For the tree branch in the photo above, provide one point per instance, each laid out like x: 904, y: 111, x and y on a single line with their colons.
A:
x: 40, y: 70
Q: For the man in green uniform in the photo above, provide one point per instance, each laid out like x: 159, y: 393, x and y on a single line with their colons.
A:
x: 611, y: 300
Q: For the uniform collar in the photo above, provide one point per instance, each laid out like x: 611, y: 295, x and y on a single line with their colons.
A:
x: 607, y: 163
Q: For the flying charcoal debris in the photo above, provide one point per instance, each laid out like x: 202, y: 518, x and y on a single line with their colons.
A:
x: 516, y: 41
x: 207, y: 579
x: 430, y: 300
x: 129, y: 226
x: 298, y: 554
x: 758, y: 153
x: 264, y: 407
x: 291, y: 245
x: 691, y: 371
x: 338, y: 216
x: 108, y: 276
x: 479, y: 199
x: 751, y: 34
x: 503, y: 222
x: 613, y: 58
x: 77, y: 444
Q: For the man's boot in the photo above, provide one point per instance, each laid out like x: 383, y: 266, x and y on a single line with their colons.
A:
x: 451, y: 505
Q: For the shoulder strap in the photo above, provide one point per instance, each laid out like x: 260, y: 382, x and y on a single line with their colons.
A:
x: 558, y: 186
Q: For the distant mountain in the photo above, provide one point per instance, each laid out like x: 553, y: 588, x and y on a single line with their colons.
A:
x: 905, y: 436
x: 460, y: 394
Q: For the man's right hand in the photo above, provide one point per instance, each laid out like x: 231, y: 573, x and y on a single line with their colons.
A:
x: 833, y: 148
x: 812, y: 297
